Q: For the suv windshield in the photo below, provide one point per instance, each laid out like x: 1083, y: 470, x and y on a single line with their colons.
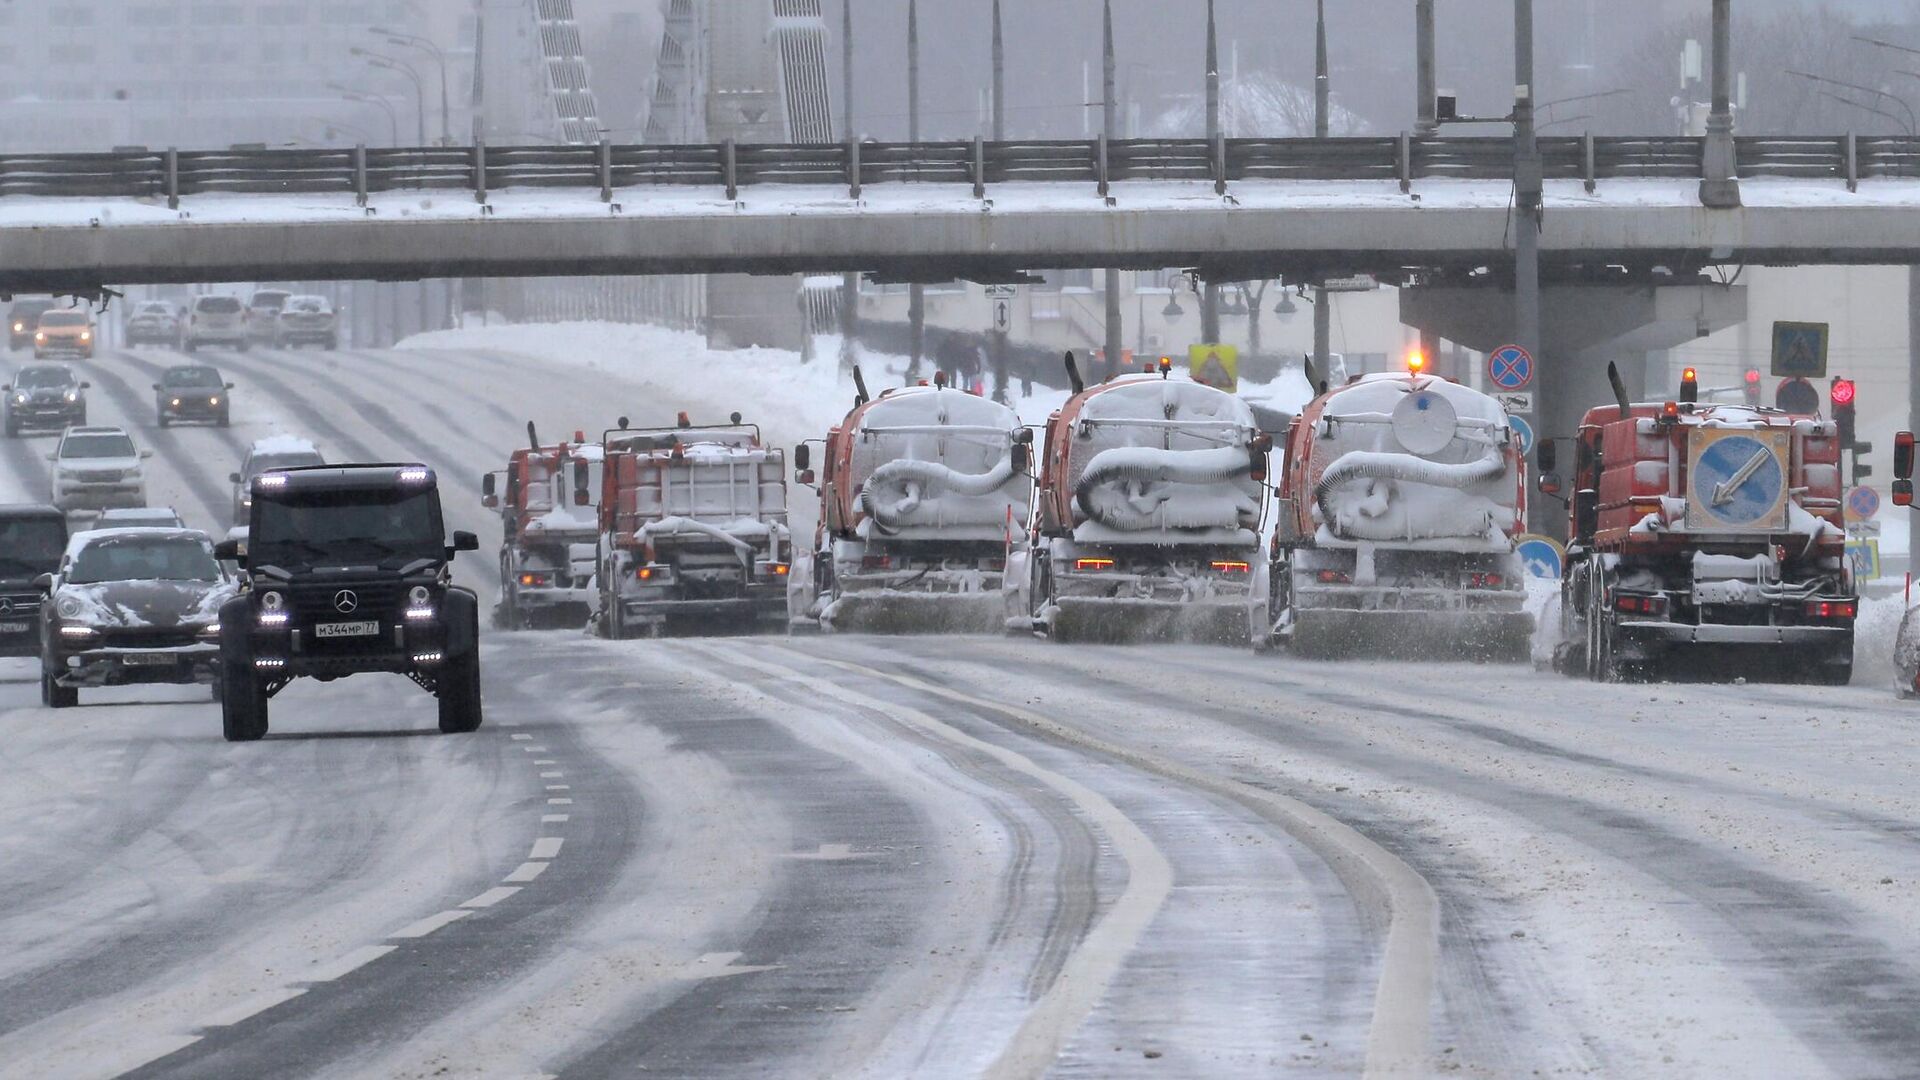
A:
x: 154, y: 307
x: 96, y: 446
x: 144, y: 558
x: 357, y: 525
x: 191, y: 376
x: 312, y: 305
x: 28, y: 310
x: 31, y: 545
x: 65, y: 318
x: 44, y: 378
x: 216, y: 305
x: 272, y: 300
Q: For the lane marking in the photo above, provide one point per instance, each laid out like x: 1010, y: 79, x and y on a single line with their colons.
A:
x: 545, y: 761
x: 546, y: 847
x: 253, y: 1006
x: 534, y: 749
x: 559, y: 802
x: 551, y: 818
x: 492, y: 896
x: 353, y: 961
x: 1084, y: 979
x: 527, y: 871
x: 827, y: 853
x: 720, y: 965
x: 552, y: 774
x: 431, y: 923
x: 521, y: 735
x: 559, y: 787
x: 1399, y: 1038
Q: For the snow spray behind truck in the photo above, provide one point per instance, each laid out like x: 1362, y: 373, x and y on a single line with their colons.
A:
x: 1152, y: 499
x: 693, y: 530
x: 922, y: 490
x: 1703, y: 535
x: 549, y: 533
x: 1400, y: 500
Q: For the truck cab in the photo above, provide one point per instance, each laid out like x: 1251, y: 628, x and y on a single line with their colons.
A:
x: 348, y: 571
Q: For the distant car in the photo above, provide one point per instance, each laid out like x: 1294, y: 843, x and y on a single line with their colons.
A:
x: 278, y: 452
x: 24, y: 318
x: 45, y: 396
x: 216, y: 320
x: 192, y: 392
x: 263, y: 315
x: 308, y: 320
x: 139, y: 517
x: 64, y: 331
x: 129, y: 607
x: 98, y: 468
x: 156, y: 322
x: 32, y: 539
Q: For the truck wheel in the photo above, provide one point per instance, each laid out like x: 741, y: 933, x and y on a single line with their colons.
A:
x: 56, y: 696
x: 243, y: 705
x: 459, y: 691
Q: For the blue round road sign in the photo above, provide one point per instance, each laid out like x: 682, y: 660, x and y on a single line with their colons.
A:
x: 1542, y: 556
x: 1738, y: 479
x: 1510, y: 367
x: 1522, y: 431
x: 1863, y: 503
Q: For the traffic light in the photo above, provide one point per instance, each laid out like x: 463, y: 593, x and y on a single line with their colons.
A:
x: 1689, y: 386
x: 1752, y: 387
x: 1841, y: 393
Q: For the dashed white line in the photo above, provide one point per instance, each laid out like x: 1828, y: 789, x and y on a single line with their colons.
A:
x: 251, y: 1007
x: 353, y: 961
x: 492, y: 896
x: 534, y: 749
x: 552, y: 774
x: 546, y: 761
x: 546, y: 847
x: 527, y: 871
x: 431, y: 923
x: 549, y: 818
x: 522, y: 735
x: 559, y: 802
x: 559, y: 787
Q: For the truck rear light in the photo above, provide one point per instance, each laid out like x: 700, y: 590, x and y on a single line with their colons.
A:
x: 995, y: 565
x: 777, y: 569
x: 1228, y: 566
x: 876, y: 562
x: 535, y: 580
x: 644, y: 573
x: 1486, y: 581
x: 1334, y: 577
x: 1832, y: 609
x: 1640, y: 605
x: 1093, y: 564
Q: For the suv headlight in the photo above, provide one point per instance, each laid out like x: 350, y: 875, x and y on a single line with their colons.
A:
x: 73, y: 396
x: 75, y: 632
x: 210, y: 632
x: 272, y: 601
x: 20, y: 399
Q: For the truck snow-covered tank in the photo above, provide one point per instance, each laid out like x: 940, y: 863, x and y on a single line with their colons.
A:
x: 1151, y: 505
x: 921, y: 491
x: 1709, y: 536
x: 550, y: 533
x: 693, y: 530
x: 1400, y: 500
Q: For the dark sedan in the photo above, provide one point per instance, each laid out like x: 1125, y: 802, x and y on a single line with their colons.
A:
x: 49, y: 397
x: 130, y: 607
x: 192, y: 392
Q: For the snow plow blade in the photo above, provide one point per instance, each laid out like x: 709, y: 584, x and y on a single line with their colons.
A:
x: 1491, y: 636
x: 1126, y: 622
x: 910, y: 613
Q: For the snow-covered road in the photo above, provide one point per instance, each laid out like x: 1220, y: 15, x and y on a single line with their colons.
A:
x: 859, y: 856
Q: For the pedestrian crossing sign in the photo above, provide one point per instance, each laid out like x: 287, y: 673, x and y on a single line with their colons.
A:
x: 1217, y: 366
x: 1800, y: 350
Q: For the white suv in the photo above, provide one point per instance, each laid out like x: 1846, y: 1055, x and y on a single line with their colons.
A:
x: 217, y: 320
x: 98, y: 468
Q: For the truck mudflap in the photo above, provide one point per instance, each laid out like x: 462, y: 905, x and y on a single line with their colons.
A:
x: 898, y: 612
x: 1119, y: 621
x: 1330, y: 633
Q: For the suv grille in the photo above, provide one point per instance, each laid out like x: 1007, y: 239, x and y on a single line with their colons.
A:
x: 147, y: 637
x: 100, y: 476
x: 376, y: 600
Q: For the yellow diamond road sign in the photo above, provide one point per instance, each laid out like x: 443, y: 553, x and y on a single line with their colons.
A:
x: 1217, y: 366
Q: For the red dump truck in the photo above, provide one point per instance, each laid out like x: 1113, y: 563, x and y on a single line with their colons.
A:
x: 922, y: 490
x: 549, y: 533
x: 1399, y: 504
x: 693, y: 530
x: 1706, y: 541
x: 1151, y: 505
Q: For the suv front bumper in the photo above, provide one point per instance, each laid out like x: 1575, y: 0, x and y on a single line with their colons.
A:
x: 183, y: 665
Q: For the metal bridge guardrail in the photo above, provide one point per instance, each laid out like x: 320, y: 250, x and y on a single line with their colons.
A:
x: 604, y: 168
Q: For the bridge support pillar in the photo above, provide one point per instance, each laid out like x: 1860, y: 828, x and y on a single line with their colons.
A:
x: 1581, y: 328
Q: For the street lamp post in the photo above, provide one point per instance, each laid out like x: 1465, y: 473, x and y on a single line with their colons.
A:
x: 1322, y: 128
x: 393, y: 118
x: 378, y: 60
x: 414, y: 41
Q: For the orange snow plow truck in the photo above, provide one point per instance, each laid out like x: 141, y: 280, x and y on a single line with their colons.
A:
x: 693, y: 530
x: 1702, y: 538
x: 922, y: 490
x: 1400, y: 501
x: 549, y: 533
x: 1152, y: 498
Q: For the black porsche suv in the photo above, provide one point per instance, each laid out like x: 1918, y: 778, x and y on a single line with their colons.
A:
x: 348, y: 571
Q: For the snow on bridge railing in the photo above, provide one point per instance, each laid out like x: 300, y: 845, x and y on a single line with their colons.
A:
x: 172, y: 175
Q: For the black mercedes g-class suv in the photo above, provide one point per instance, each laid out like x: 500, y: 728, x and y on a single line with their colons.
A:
x: 348, y: 571
x: 32, y: 540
